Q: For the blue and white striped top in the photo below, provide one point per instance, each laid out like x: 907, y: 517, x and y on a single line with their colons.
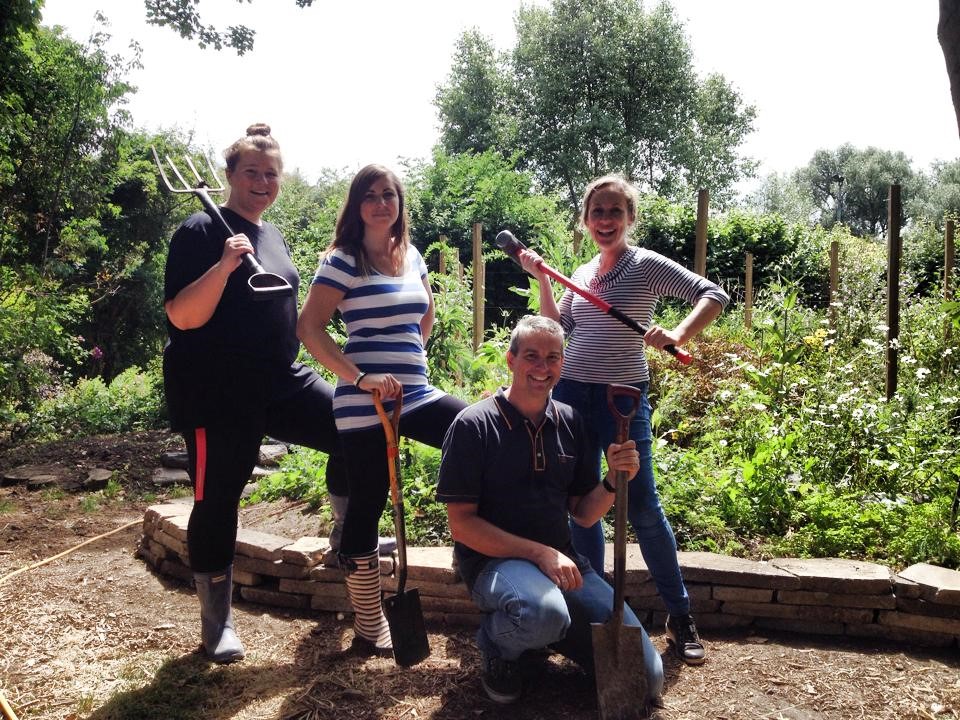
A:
x: 601, y: 349
x: 382, y: 314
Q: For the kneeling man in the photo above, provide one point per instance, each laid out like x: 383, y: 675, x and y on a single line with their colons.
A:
x: 514, y: 468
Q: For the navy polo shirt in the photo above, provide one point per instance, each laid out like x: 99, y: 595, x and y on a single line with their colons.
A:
x: 520, y: 476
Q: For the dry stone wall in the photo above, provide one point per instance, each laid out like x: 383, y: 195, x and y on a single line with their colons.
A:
x: 829, y: 596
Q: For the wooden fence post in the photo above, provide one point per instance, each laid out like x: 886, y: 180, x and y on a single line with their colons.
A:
x: 948, y: 260
x: 700, y: 253
x: 479, y: 283
x: 748, y: 293
x: 577, y: 241
x: 834, y: 282
x: 443, y: 254
x: 894, y: 250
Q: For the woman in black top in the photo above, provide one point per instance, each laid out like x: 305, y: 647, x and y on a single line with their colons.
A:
x: 230, y: 371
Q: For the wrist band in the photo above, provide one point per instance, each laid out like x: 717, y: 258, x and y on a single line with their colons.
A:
x: 361, y: 376
x: 608, y: 487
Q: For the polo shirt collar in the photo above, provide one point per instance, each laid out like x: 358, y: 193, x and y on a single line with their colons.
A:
x: 513, y: 417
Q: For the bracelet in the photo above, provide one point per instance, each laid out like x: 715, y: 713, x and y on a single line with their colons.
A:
x: 361, y: 376
x: 608, y: 487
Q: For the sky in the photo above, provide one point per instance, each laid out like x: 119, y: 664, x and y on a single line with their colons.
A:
x: 343, y: 84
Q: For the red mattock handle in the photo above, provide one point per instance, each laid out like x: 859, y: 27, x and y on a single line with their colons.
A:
x: 511, y: 246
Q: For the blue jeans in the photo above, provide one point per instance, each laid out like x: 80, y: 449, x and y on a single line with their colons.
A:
x: 654, y: 534
x: 524, y: 610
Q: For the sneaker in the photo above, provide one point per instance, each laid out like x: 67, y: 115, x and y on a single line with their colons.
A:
x: 682, y: 632
x: 501, y: 680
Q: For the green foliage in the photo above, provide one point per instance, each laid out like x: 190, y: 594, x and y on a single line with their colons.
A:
x: 302, y: 476
x: 592, y: 88
x: 131, y: 401
x: 182, y: 16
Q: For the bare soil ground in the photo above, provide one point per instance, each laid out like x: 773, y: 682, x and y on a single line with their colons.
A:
x: 97, y: 635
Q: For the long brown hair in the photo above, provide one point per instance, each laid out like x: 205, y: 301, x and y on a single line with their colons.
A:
x: 258, y: 137
x: 349, y: 233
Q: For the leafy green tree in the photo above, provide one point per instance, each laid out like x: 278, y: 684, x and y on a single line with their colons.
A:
x: 852, y: 186
x: 780, y: 194
x: 453, y: 192
x: 940, y: 198
x: 472, y: 102
x: 183, y: 16
x: 594, y: 88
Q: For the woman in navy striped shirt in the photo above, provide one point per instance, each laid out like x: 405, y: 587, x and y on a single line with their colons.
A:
x: 378, y: 281
x: 600, y: 350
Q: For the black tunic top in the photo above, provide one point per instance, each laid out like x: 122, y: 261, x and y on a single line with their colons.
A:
x: 226, y: 372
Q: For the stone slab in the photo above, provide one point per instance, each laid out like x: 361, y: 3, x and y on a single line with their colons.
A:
x: 330, y: 603
x: 901, y: 635
x: 922, y: 607
x: 270, y: 569
x: 937, y: 584
x: 260, y: 545
x: 24, y: 473
x: 242, y: 577
x: 179, y: 547
x: 457, y: 591
x: 175, y: 526
x: 97, y: 479
x: 800, y: 612
x: 637, y: 572
x: 719, y: 621
x: 264, y: 596
x: 175, y: 459
x: 433, y: 564
x: 726, y: 593
x: 310, y: 587
x: 270, y: 455
x: 837, y: 575
x: 818, y: 597
x: 945, y: 626
x: 725, y: 570
x: 306, y: 551
x: 164, y: 476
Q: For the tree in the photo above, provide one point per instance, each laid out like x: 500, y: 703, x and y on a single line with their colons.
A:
x: 596, y: 88
x: 852, y: 186
x: 948, y: 34
x: 472, y: 102
x: 182, y: 16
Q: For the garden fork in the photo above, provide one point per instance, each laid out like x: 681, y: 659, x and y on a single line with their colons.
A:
x: 264, y: 285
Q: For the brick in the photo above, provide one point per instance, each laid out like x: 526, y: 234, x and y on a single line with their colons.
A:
x: 816, y: 597
x: 946, y: 626
x: 937, y: 584
x: 904, y: 588
x: 646, y: 589
x: 307, y: 551
x: 260, y: 545
x: 721, y: 569
x: 742, y: 594
x: 806, y: 627
x: 264, y: 596
x: 270, y: 569
x: 799, y: 612
x: 838, y: 575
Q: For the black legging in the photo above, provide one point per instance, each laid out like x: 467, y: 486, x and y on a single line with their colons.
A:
x: 222, y: 460
x: 366, y: 457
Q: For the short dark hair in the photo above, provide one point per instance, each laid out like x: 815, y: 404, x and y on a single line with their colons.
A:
x: 531, y: 324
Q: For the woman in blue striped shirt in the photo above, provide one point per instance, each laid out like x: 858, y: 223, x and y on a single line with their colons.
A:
x: 378, y: 281
x: 600, y: 350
